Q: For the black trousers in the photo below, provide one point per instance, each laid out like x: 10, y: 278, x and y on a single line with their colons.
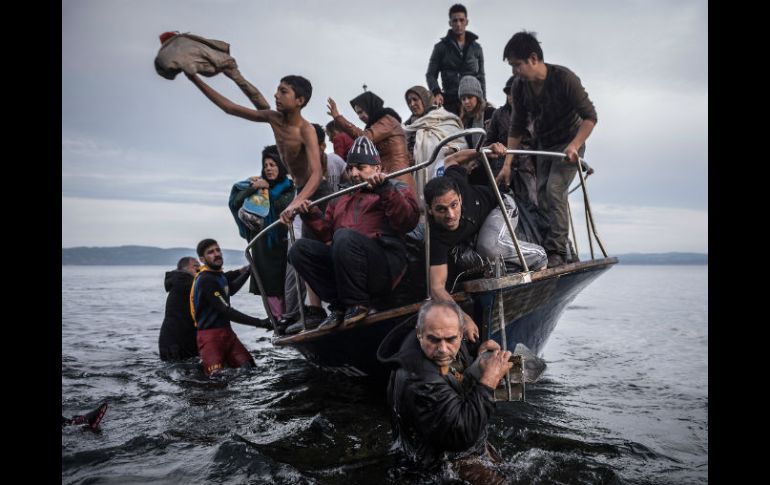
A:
x: 347, y: 273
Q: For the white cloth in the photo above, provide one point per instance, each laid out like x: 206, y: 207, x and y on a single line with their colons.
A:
x: 429, y: 130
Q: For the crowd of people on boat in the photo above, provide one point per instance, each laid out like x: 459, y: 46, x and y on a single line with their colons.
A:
x: 354, y: 251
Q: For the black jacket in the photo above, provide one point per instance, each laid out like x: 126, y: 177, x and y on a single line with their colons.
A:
x: 177, y: 333
x: 435, y: 417
x: 454, y: 64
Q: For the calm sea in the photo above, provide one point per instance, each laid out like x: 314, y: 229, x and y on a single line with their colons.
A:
x: 624, y: 398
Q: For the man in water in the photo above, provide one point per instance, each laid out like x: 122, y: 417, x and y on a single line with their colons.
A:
x: 437, y: 413
x: 218, y: 345
x: 177, y: 333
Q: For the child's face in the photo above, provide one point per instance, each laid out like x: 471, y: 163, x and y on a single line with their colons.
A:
x: 285, y: 98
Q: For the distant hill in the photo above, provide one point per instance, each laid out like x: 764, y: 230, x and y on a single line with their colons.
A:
x: 148, y: 255
x: 138, y: 255
x: 663, y: 258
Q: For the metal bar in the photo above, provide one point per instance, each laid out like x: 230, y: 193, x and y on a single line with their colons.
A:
x: 298, y: 282
x: 572, y: 227
x: 255, y: 275
x: 500, y: 202
x: 499, y: 272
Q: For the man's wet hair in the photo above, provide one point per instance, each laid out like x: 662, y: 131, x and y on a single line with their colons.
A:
x: 320, y: 133
x: 457, y: 7
x: 182, y: 263
x: 203, y: 245
x: 521, y: 45
x: 427, y: 307
x: 300, y: 85
x: 439, y: 186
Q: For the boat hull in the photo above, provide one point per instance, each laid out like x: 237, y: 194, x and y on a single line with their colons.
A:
x: 531, y: 309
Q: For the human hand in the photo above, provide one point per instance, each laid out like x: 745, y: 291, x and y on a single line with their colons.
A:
x: 504, y: 177
x: 332, y: 107
x: 288, y: 214
x: 471, y: 330
x: 489, y: 345
x: 494, y: 368
x: 304, y: 206
x: 439, y: 99
x: 376, y: 179
x: 572, y: 153
x: 259, y: 183
x: 498, y: 149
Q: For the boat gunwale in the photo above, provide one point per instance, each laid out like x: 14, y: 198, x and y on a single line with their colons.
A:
x: 480, y: 285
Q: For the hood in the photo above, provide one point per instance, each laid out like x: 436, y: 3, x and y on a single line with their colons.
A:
x: 176, y: 278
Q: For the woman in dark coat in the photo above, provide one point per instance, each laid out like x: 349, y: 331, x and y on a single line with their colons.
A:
x: 256, y: 203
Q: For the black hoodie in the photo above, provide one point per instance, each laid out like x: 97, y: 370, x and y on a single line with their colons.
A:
x: 177, y: 339
x: 434, y: 417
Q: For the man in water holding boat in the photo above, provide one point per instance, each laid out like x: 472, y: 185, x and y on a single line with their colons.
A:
x: 218, y: 345
x: 439, y: 413
x: 458, y: 213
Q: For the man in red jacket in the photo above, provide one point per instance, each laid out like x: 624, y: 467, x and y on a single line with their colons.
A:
x: 366, y: 228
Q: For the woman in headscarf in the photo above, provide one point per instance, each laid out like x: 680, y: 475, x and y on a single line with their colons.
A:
x: 255, y: 204
x: 427, y: 126
x: 383, y: 127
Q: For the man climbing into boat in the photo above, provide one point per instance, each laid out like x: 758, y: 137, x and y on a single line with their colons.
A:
x: 458, y: 213
x: 552, y: 99
x: 366, y: 256
x: 438, y: 412
x: 218, y: 345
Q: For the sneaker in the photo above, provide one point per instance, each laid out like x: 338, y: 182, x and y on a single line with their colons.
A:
x: 555, y: 259
x: 314, y: 315
x: 283, y: 324
x: 295, y: 327
x: 333, y: 320
x: 354, y: 314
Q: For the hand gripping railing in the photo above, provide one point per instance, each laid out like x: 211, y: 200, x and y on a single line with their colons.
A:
x: 353, y: 188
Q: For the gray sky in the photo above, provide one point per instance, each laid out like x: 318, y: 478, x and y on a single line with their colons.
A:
x: 150, y: 161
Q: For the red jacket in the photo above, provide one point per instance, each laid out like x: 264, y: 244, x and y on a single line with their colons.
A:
x: 388, y: 210
x: 342, y: 143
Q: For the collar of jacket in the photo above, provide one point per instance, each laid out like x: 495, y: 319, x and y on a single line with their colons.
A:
x: 470, y: 37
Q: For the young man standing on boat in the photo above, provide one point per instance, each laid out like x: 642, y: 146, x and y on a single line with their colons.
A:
x: 552, y: 99
x: 461, y: 213
x: 454, y: 56
x: 366, y: 256
x: 438, y: 412
x: 218, y: 345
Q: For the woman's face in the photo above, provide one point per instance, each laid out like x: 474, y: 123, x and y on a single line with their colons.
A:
x: 415, y: 104
x: 362, y: 115
x: 271, y: 169
x: 469, y: 103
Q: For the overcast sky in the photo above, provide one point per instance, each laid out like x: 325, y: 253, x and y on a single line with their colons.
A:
x: 150, y: 161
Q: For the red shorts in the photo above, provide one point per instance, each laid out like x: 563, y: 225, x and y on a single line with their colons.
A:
x: 220, y: 348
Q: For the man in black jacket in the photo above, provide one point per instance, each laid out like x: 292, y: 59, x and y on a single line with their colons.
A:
x: 437, y: 413
x: 177, y: 333
x: 454, y: 56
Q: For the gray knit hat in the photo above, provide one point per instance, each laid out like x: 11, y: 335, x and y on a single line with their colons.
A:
x: 470, y: 86
x: 363, y: 151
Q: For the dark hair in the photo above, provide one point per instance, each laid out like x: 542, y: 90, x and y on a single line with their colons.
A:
x: 301, y: 87
x: 203, y: 245
x: 331, y: 126
x: 457, y: 7
x: 439, y: 186
x: 271, y: 152
x: 430, y: 305
x: 521, y: 45
x: 184, y: 262
x: 319, y: 131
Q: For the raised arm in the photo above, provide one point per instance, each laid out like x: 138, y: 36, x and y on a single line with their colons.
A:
x: 228, y: 106
x: 248, y: 89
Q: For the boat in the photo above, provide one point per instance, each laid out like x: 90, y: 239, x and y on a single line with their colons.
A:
x: 527, y: 305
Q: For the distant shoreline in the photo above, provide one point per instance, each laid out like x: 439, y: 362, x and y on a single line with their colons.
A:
x: 150, y: 255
